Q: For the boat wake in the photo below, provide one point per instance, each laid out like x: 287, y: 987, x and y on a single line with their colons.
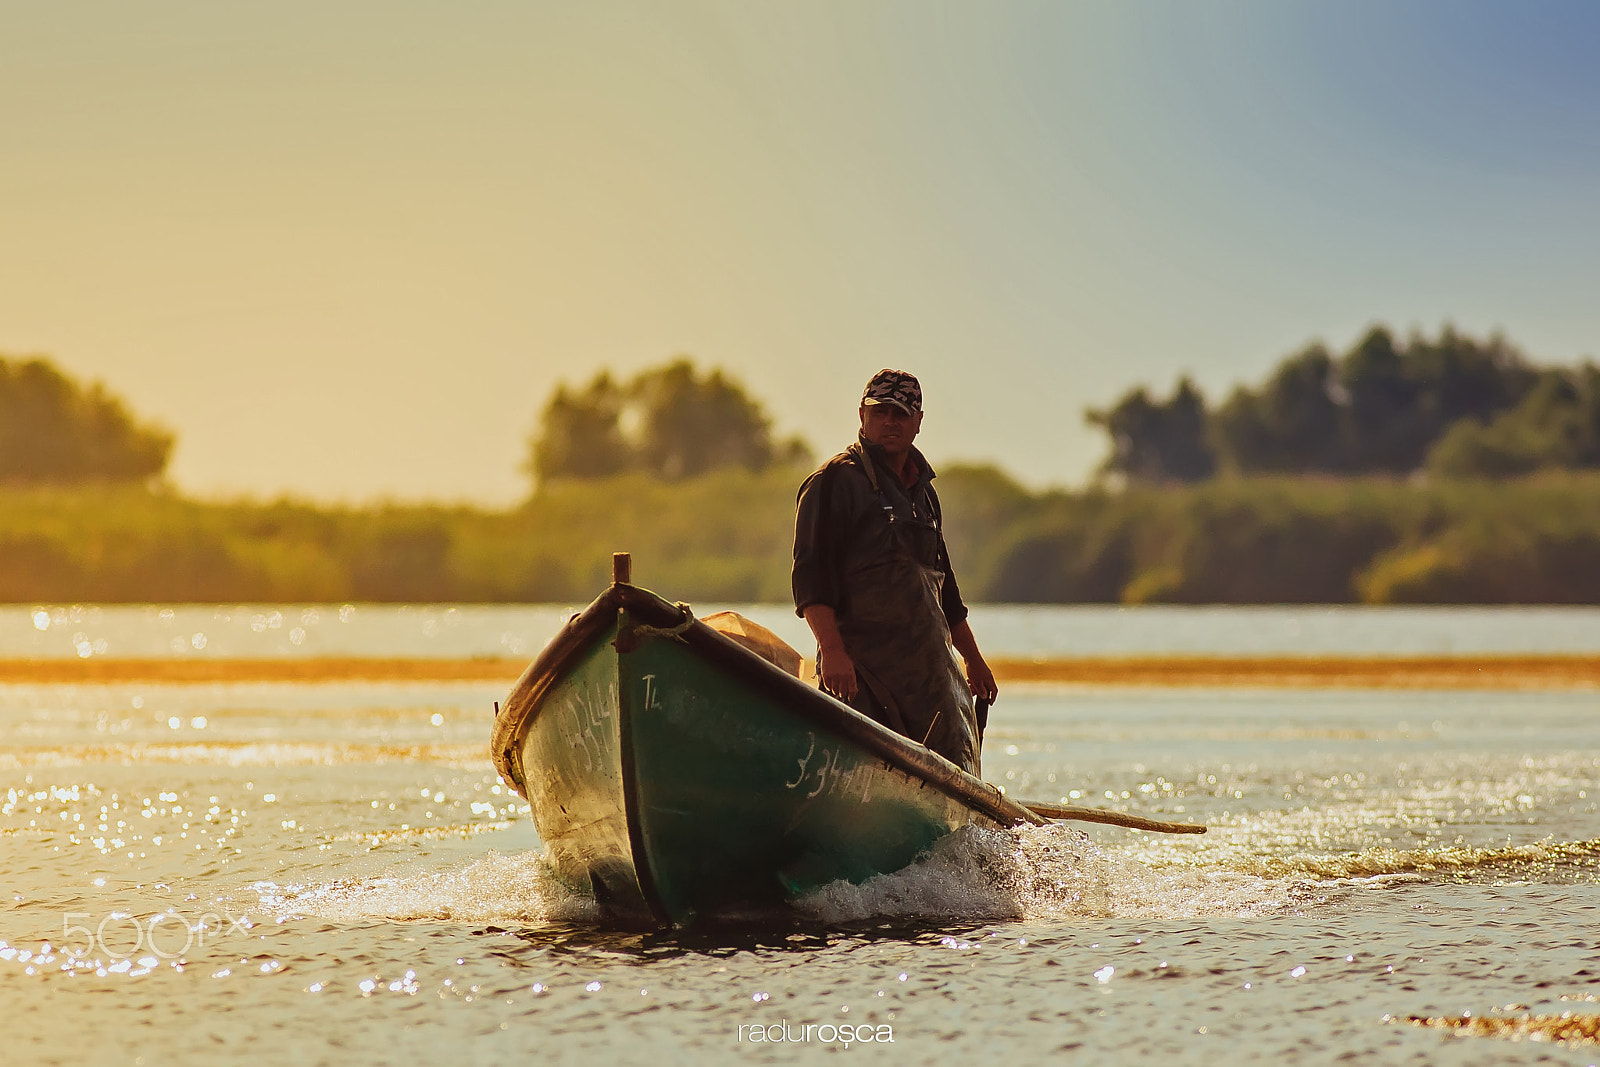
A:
x: 1034, y: 873
x: 1057, y: 873
x: 1045, y: 872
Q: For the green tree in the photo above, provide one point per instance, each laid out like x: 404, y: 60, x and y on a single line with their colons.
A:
x: 1153, y: 441
x: 672, y: 422
x: 580, y: 433
x: 1383, y: 428
x: 1291, y: 425
x: 54, y: 431
x: 1378, y: 409
x: 1464, y: 378
x: 1557, y: 425
x: 1401, y: 401
x: 692, y: 424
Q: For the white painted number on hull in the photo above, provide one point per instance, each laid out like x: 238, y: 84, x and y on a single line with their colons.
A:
x: 828, y: 775
x: 802, y: 762
x: 591, y: 707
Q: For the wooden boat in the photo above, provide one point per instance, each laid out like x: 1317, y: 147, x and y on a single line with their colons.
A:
x: 679, y: 776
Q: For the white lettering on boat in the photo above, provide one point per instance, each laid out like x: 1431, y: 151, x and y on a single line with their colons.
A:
x: 827, y: 774
x: 803, y: 761
x: 651, y: 693
x: 580, y: 740
x: 828, y: 766
x: 591, y: 706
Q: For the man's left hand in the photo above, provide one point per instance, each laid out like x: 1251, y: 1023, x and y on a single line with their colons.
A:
x: 981, y: 680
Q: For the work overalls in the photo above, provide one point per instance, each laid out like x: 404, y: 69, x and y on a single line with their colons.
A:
x: 895, y: 631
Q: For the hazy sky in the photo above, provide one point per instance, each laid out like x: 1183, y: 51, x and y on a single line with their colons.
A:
x: 347, y: 249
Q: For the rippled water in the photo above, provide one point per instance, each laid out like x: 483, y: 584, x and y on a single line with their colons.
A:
x: 189, y: 631
x: 334, y: 873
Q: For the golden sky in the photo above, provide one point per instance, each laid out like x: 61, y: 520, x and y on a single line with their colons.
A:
x: 346, y: 250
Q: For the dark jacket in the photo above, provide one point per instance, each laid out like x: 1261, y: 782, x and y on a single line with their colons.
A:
x: 839, y: 526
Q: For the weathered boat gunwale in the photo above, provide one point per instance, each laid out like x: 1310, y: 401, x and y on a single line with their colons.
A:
x: 583, y: 629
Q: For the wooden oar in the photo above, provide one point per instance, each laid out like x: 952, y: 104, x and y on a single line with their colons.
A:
x: 1111, y: 818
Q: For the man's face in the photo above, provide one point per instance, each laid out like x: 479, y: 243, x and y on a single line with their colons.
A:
x: 886, y: 426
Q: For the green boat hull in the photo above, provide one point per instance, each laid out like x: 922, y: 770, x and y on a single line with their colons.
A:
x: 679, y: 777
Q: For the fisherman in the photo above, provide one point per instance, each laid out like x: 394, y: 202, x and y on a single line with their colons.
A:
x: 872, y: 579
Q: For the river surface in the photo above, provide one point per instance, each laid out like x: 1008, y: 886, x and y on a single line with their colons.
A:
x: 268, y: 631
x: 331, y: 872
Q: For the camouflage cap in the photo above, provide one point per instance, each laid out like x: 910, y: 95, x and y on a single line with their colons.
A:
x: 894, y: 387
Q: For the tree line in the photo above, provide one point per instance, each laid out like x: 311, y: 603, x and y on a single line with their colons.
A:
x: 680, y: 465
x: 670, y: 422
x: 1451, y: 406
x: 1279, y: 540
x: 724, y: 537
x: 712, y: 521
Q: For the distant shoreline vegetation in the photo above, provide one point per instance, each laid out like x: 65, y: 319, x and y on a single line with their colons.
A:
x: 1366, y: 503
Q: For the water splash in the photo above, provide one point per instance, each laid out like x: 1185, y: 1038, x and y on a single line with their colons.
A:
x: 496, y: 888
x: 1047, y: 872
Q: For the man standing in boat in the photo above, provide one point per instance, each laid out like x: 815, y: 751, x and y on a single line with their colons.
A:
x: 872, y: 579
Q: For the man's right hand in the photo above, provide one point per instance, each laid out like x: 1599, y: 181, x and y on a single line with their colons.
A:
x: 838, y: 670
x: 839, y: 674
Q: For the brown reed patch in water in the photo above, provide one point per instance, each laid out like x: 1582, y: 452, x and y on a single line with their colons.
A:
x: 1315, y: 672
x: 1293, y: 672
x: 1567, y: 1028
x: 240, y: 754
x: 1460, y: 863
x: 97, y: 670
